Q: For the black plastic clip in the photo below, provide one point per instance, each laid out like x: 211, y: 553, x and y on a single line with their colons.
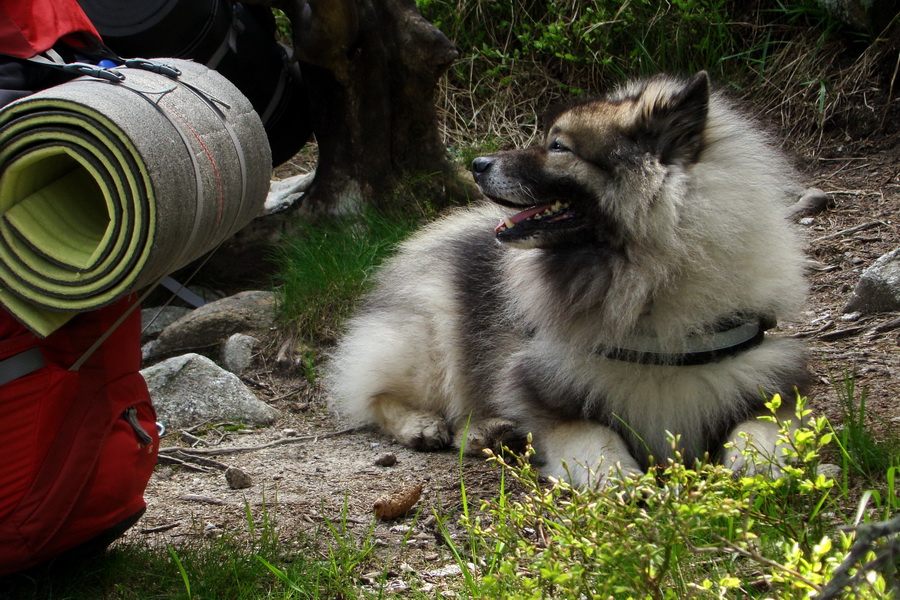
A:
x: 155, y: 67
x: 92, y: 71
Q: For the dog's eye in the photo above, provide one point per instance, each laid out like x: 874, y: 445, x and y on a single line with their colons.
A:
x: 557, y: 146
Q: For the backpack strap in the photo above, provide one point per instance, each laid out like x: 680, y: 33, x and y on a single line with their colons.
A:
x: 20, y: 365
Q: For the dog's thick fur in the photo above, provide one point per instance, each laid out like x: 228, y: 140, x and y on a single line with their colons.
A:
x: 671, y: 218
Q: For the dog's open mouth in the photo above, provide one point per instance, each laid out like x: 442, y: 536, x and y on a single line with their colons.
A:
x: 558, y: 215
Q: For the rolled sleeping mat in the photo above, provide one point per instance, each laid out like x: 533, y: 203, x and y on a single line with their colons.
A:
x: 107, y: 187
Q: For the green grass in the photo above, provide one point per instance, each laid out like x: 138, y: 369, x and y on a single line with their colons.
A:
x: 324, y: 267
x: 789, y: 57
x: 861, y: 451
x: 251, y: 563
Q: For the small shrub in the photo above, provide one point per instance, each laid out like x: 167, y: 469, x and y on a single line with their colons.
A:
x: 680, y: 532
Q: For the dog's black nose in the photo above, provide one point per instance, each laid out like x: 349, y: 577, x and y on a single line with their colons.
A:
x: 481, y: 164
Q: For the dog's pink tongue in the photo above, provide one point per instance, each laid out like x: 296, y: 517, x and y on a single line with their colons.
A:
x: 519, y: 217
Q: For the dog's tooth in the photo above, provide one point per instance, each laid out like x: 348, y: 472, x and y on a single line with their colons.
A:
x: 509, y: 224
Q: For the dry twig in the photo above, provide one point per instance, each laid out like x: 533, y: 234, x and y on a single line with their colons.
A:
x: 239, y: 449
x: 867, y: 535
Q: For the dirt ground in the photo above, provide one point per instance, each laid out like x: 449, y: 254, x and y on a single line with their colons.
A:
x: 317, y: 470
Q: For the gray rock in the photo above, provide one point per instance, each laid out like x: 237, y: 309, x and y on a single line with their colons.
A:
x: 878, y: 289
x: 862, y: 15
x: 213, y: 323
x: 237, y: 352
x: 284, y: 193
x: 191, y: 389
x: 237, y: 479
x: 154, y: 320
x: 148, y: 351
x: 829, y: 471
x: 812, y: 201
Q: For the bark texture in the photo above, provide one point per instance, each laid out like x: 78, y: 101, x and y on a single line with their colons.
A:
x: 371, y: 68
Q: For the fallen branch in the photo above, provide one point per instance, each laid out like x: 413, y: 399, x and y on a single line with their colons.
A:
x: 161, y: 528
x: 179, y: 456
x: 839, y: 334
x: 844, y: 232
x: 166, y: 459
x: 866, y: 536
x: 204, y: 499
x: 173, y: 451
x: 887, y: 326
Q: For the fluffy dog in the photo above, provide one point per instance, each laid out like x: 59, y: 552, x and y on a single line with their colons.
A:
x: 642, y: 252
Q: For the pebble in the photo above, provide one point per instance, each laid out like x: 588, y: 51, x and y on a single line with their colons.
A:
x: 237, y: 479
x: 447, y: 571
x: 386, y: 460
x: 829, y: 470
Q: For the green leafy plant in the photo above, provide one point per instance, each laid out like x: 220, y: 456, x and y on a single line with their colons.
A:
x: 676, y: 532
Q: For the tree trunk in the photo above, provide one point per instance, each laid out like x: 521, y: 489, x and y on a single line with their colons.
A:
x: 371, y: 68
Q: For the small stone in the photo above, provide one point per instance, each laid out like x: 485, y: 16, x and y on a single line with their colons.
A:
x: 289, y: 432
x: 397, y: 586
x: 850, y: 317
x: 237, y: 479
x: 807, y: 221
x: 878, y: 289
x: 237, y: 353
x: 447, y: 571
x: 386, y: 460
x: 829, y: 470
x: 812, y: 201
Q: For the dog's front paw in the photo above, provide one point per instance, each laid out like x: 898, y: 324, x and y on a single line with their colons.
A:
x: 489, y: 433
x: 422, y: 431
x: 414, y: 428
x: 586, y: 454
x: 754, y: 448
x: 737, y: 460
x: 597, y: 476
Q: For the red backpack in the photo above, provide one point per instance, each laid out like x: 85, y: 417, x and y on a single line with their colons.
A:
x: 78, y: 446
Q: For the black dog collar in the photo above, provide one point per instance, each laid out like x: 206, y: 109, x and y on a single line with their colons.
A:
x: 733, y: 336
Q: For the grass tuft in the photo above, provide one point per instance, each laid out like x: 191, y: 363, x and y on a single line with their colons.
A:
x: 325, y: 266
x: 862, y: 451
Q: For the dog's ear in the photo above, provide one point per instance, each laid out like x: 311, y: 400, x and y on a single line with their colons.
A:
x: 677, y: 121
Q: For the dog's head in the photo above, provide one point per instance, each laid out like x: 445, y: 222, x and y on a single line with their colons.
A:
x: 602, y: 166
